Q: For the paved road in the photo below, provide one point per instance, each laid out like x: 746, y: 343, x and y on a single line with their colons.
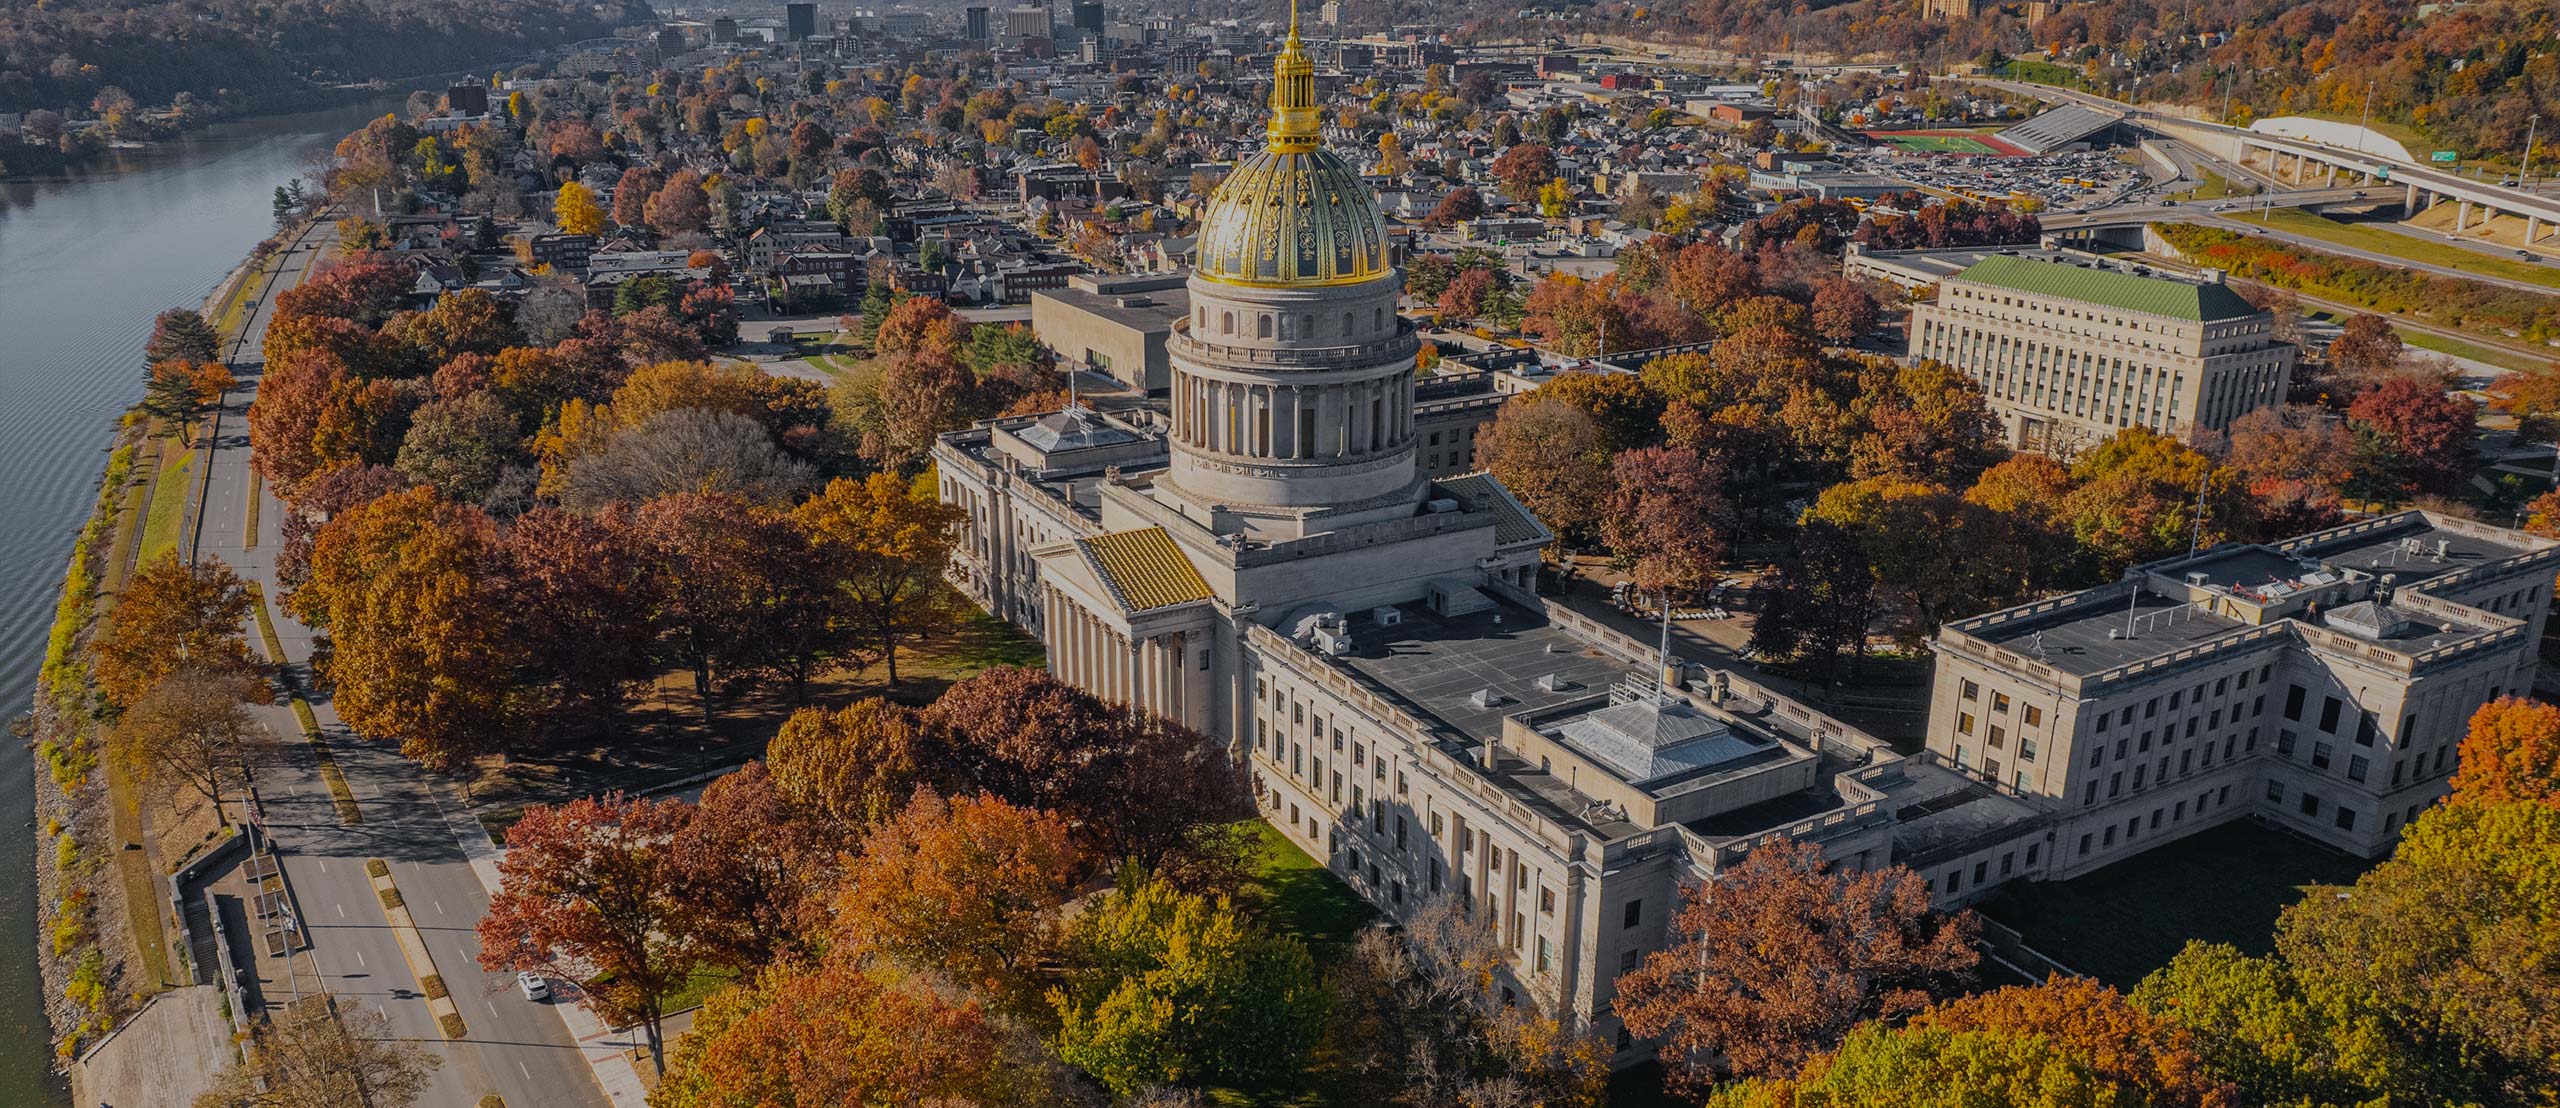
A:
x: 516, y: 1049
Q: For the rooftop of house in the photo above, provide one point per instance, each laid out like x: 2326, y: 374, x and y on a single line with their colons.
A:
x: 2160, y: 296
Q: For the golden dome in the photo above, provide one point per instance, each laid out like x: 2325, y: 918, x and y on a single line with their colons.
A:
x: 1293, y: 213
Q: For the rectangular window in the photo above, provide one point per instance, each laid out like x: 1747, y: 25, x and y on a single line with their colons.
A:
x: 2310, y: 804
x: 1546, y: 901
x: 2026, y: 749
x: 1972, y: 691
x: 1999, y: 737
x: 2365, y: 729
x: 2346, y: 819
x: 1634, y: 913
x: 2319, y: 755
x: 2358, y: 767
x: 2034, y: 716
x: 1964, y: 723
x: 2111, y: 836
x: 2329, y: 708
x: 1981, y: 871
x: 2275, y: 791
x: 1999, y: 702
x: 2091, y: 797
x: 2293, y: 703
x: 2084, y: 845
x: 2032, y: 850
x: 2284, y: 743
x: 2115, y: 784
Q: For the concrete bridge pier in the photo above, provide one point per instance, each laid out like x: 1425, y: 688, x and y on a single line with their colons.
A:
x: 2462, y: 218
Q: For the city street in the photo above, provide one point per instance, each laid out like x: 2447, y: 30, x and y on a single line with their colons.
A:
x: 519, y: 1050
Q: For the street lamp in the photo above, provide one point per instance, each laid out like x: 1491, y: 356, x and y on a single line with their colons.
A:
x: 2524, y: 177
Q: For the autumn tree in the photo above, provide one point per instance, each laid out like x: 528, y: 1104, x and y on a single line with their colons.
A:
x: 1668, y: 512
x: 1819, y: 603
x: 592, y: 891
x: 582, y: 611
x: 755, y: 873
x: 685, y: 450
x: 576, y: 212
x: 284, y: 418
x: 2278, y: 1038
x: 171, y: 615
x: 1523, y: 169
x: 462, y: 448
x: 179, y: 393
x: 1935, y: 555
x: 1553, y: 457
x: 1860, y: 946
x: 853, y: 766
x: 1462, y: 204
x: 1171, y: 988
x: 2120, y: 1043
x: 680, y: 207
x: 971, y: 887
x: 1418, y: 1019
x: 411, y: 589
x: 2511, y: 753
x: 884, y: 543
x: 2365, y: 352
x: 631, y: 195
x: 192, y: 731
x: 1930, y: 1067
x: 1842, y: 311
x: 2424, y: 437
x: 2294, y: 460
x: 841, y: 1032
x: 322, y: 1054
x: 2135, y: 500
x: 712, y: 559
x: 2451, y: 944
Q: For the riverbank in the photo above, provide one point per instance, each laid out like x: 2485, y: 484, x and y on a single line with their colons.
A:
x: 103, y: 941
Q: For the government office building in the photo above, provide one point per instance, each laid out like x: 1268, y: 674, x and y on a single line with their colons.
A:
x: 2068, y: 352
x: 2319, y: 684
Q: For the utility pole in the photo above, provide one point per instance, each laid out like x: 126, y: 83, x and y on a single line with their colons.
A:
x: 2367, y: 123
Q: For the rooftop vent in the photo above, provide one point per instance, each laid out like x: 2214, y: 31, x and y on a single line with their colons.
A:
x: 1557, y: 682
x: 1486, y: 698
x: 1386, y: 617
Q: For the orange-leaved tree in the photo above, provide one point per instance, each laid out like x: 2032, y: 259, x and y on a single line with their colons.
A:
x: 1823, y: 951
x: 883, y: 542
x: 172, y: 615
x: 971, y: 887
x: 841, y: 1032
x: 2511, y: 753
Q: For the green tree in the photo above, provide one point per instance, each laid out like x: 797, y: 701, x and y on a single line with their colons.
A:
x: 1172, y: 988
x: 2279, y: 1040
x: 1926, y: 1067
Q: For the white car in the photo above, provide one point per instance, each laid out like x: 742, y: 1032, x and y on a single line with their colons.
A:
x: 533, y: 985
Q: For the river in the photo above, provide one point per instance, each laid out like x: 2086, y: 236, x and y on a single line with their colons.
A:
x: 85, y: 262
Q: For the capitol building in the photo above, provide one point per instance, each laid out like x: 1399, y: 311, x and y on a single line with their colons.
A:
x: 1270, y: 564
x: 1264, y: 558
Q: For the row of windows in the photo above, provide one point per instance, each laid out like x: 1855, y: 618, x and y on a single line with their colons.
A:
x: 2160, y: 817
x: 1982, y: 869
x: 1266, y: 325
x: 2159, y: 773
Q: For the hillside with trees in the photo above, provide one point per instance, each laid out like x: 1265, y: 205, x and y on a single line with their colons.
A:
x: 2471, y: 76
x: 103, y: 56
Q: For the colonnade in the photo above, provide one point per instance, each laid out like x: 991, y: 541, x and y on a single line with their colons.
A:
x: 1094, y: 656
x: 1293, y: 422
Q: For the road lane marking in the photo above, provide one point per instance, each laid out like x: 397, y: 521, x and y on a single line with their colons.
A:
x: 528, y: 1074
x: 360, y: 958
x: 439, y: 906
x: 324, y: 865
x: 342, y: 911
x: 493, y: 1008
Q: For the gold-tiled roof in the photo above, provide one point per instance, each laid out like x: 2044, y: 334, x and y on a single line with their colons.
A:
x: 1144, y: 569
x: 1292, y: 218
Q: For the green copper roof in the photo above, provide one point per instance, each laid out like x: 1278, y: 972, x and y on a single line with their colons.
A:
x: 2150, y: 295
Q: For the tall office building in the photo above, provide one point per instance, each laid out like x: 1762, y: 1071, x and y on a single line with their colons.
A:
x: 800, y: 21
x: 1028, y: 21
x: 978, y: 27
x: 2068, y: 354
x: 1089, y: 17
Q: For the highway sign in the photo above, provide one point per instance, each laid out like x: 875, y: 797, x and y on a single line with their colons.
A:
x: 2447, y: 157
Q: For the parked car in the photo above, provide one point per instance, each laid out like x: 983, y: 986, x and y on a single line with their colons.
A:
x: 533, y: 985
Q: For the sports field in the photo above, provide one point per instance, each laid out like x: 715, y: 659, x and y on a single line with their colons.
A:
x: 1944, y: 142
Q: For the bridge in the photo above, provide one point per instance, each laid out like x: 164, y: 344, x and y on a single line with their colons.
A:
x: 2301, y: 160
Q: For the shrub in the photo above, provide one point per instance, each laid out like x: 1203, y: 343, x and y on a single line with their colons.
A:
x: 434, y: 983
x: 451, y: 1025
x: 390, y: 899
x: 377, y: 867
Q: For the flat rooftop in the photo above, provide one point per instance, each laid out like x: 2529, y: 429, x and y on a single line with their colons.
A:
x: 2410, y: 552
x: 1149, y: 311
x: 2091, y: 638
x: 1436, y: 665
x: 1939, y: 813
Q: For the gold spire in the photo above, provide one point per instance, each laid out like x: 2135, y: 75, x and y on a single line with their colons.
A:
x: 1295, y: 123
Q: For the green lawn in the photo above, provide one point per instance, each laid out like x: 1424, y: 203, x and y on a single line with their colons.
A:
x: 698, y: 988
x: 1298, y: 897
x: 2498, y: 356
x: 2122, y: 922
x: 2042, y: 72
x: 168, y: 506
x: 1938, y: 144
x: 2365, y: 236
x: 2216, y: 187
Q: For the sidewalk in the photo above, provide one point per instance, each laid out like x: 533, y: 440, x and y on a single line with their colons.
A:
x: 607, y: 1051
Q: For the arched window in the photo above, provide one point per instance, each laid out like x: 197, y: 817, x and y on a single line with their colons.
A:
x: 1228, y: 322
x: 1204, y: 317
x: 1262, y: 330
x: 1347, y: 325
x: 1307, y: 325
x: 1377, y: 319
